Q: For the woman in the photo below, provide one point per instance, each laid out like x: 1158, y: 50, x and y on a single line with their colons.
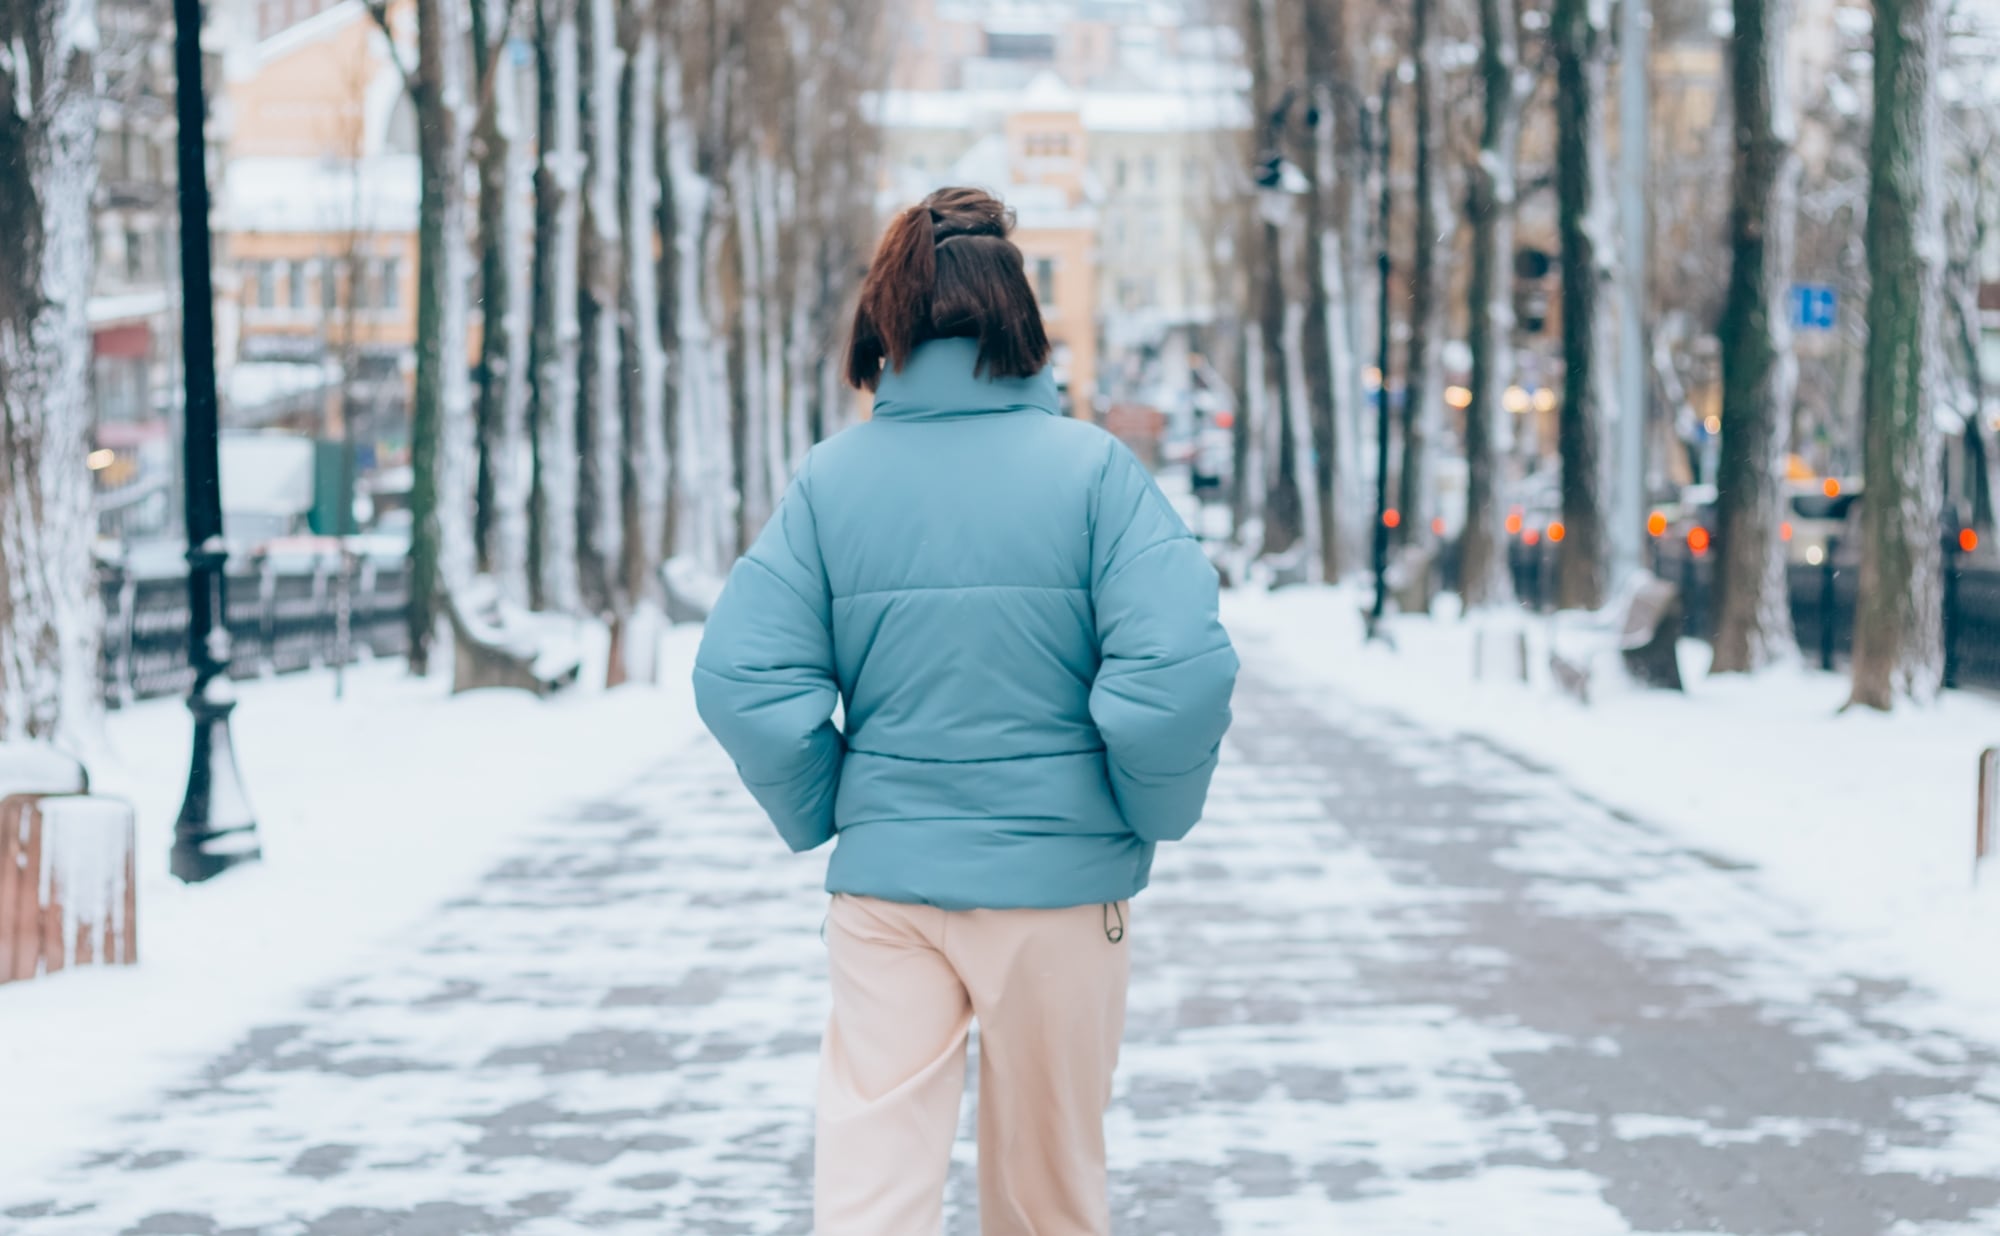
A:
x: 1022, y: 637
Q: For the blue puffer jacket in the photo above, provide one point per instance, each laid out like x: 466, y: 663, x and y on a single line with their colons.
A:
x: 1020, y: 630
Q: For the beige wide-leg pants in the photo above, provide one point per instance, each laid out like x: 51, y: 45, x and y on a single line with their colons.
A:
x: 1048, y: 990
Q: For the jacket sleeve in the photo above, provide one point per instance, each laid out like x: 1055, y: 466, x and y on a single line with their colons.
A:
x: 764, y: 679
x: 1161, y: 697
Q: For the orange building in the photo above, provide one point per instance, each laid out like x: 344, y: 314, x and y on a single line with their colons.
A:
x: 319, y: 229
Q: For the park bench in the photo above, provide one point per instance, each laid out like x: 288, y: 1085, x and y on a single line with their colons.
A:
x: 497, y: 645
x: 691, y: 591
x: 1643, y: 624
x: 68, y: 886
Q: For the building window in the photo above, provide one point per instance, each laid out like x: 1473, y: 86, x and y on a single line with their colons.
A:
x: 267, y: 285
x: 1118, y: 172
x: 295, y: 286
x: 329, y: 299
x: 1045, y: 280
x: 135, y: 254
x: 1149, y: 171
x: 1048, y: 145
x: 1009, y: 45
x: 390, y: 285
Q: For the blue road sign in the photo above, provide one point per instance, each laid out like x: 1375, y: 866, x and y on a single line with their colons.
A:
x: 1815, y: 306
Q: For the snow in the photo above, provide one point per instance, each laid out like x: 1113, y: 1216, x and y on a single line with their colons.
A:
x: 1864, y: 821
x: 253, y: 384
x: 273, y: 194
x: 371, y: 811
x: 127, y: 306
x: 86, y: 844
x: 37, y: 768
x: 1102, y: 111
x: 267, y: 474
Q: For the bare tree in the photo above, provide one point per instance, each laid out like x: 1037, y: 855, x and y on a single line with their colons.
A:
x: 600, y: 416
x: 1484, y: 579
x: 643, y: 463
x: 1579, y: 42
x: 1423, y: 371
x: 1270, y: 393
x: 1754, y: 620
x: 552, y: 414
x: 500, y: 492
x: 1333, y: 161
x: 443, y: 445
x: 1898, y: 643
x: 48, y: 128
x: 1966, y: 230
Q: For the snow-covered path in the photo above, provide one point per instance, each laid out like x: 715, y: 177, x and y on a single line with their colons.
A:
x: 1397, y: 983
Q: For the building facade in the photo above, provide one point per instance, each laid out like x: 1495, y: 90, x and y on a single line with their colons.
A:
x: 1099, y: 123
x: 134, y: 321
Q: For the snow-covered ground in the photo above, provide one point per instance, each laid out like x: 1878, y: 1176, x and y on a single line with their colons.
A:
x: 1864, y: 820
x: 371, y: 811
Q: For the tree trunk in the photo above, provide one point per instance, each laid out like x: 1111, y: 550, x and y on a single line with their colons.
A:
x: 490, y: 148
x: 1966, y: 242
x: 1328, y: 341
x: 500, y: 492
x: 1282, y: 506
x: 1898, y: 644
x: 440, y: 492
x: 558, y: 239
x: 1754, y: 617
x: 667, y: 272
x: 644, y: 461
x: 1483, y: 576
x: 1578, y: 40
x: 1423, y: 370
x: 49, y: 622
x: 600, y: 419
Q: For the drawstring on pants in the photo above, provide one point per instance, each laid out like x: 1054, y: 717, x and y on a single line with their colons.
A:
x: 1114, y: 933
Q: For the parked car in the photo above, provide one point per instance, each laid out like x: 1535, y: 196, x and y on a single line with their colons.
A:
x: 1819, y: 512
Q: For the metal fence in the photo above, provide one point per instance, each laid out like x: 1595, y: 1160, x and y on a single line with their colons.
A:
x: 1822, y: 602
x: 283, y: 615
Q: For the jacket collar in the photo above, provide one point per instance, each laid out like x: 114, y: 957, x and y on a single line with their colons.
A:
x: 939, y: 383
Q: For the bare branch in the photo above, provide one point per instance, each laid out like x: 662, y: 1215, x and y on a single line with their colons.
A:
x: 492, y: 63
x: 379, y: 10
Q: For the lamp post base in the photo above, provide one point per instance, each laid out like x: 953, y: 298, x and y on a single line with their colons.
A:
x: 216, y: 830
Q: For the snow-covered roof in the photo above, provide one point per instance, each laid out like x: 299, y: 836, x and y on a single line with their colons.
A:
x: 1102, y: 111
x: 252, y: 384
x: 37, y: 768
x: 315, y: 29
x: 1047, y: 93
x: 984, y: 163
x: 286, y: 194
x: 127, y: 306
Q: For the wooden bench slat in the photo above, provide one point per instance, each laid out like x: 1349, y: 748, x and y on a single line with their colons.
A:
x: 68, y: 884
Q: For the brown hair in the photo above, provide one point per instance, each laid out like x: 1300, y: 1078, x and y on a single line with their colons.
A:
x: 945, y: 269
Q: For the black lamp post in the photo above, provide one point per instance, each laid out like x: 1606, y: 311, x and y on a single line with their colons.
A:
x: 215, y: 830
